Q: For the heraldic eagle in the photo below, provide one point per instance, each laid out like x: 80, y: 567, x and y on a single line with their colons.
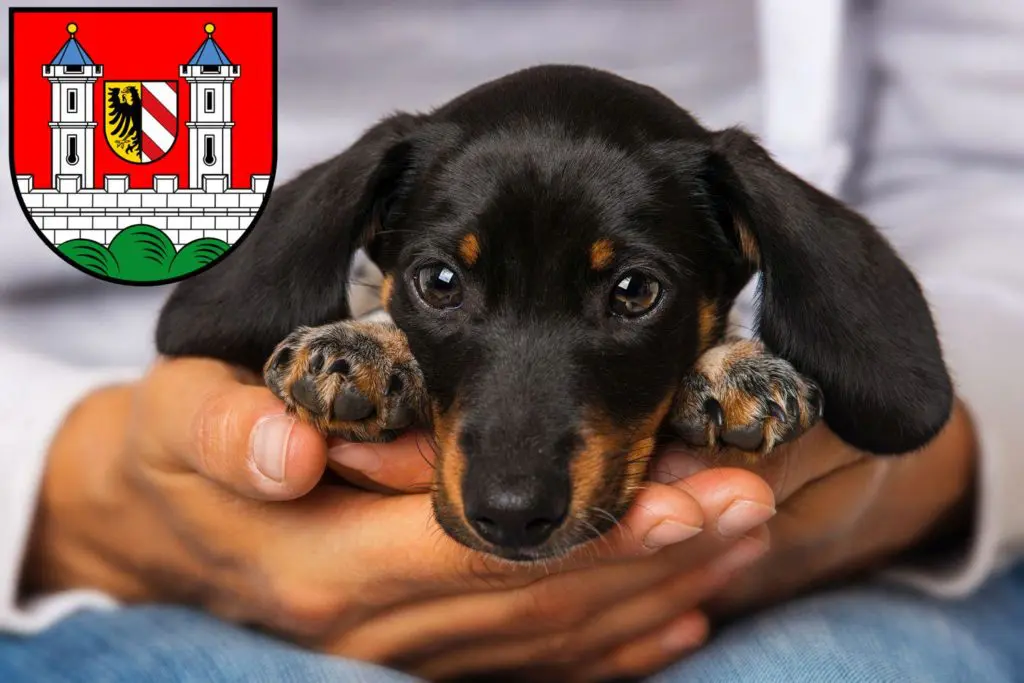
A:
x: 124, y: 108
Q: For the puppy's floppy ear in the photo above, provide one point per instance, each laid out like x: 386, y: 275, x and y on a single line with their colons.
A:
x: 835, y: 301
x: 293, y: 268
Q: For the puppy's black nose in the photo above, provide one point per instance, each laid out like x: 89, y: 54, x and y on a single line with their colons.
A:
x: 520, y: 514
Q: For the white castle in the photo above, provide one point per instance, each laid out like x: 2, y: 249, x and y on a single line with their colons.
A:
x: 206, y: 207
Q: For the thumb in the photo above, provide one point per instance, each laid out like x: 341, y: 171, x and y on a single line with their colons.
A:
x: 198, y: 416
x: 404, y: 465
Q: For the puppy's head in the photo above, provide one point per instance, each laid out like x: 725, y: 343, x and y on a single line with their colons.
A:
x: 559, y: 246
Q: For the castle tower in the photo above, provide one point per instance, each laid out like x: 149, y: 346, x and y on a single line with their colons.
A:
x: 209, y: 75
x: 71, y: 74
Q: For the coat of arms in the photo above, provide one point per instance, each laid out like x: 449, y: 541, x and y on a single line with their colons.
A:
x: 144, y: 162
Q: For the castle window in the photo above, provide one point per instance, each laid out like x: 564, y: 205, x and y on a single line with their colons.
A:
x: 73, y: 69
x: 209, y: 69
x: 208, y: 158
x: 208, y: 100
x: 72, y: 101
x: 72, y: 157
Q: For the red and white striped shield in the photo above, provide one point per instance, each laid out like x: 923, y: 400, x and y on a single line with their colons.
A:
x: 159, y: 118
x: 141, y: 118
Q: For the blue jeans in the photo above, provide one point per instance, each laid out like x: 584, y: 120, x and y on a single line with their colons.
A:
x: 867, y: 634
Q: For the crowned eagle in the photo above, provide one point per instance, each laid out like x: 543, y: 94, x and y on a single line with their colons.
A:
x: 124, y: 109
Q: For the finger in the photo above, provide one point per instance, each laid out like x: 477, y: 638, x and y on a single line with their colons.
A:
x: 529, y: 623
x: 660, y: 516
x: 395, y: 544
x: 202, y: 418
x: 858, y: 516
x: 658, y: 604
x: 403, y: 465
x: 813, y: 456
x: 729, y: 502
x: 739, y: 500
x: 538, y: 620
x: 819, y: 533
x: 651, y: 653
x: 427, y: 552
x: 787, y: 469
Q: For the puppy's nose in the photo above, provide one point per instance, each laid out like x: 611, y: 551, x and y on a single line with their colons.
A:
x: 522, y: 514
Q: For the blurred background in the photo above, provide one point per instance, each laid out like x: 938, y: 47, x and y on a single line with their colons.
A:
x: 343, y: 65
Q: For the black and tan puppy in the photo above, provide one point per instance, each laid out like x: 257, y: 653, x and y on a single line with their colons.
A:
x: 561, y: 249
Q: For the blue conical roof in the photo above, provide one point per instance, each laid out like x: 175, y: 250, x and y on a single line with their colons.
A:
x: 72, y: 54
x: 209, y: 54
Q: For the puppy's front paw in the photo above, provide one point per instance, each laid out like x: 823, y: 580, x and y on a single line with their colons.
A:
x: 741, y: 396
x: 356, y: 380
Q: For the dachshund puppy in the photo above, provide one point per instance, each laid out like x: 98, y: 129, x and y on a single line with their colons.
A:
x: 561, y: 249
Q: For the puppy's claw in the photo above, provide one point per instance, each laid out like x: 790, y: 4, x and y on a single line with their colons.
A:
x: 316, y: 363
x: 715, y: 414
x: 282, y: 357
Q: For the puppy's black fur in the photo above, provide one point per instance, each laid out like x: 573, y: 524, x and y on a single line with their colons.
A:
x: 530, y: 375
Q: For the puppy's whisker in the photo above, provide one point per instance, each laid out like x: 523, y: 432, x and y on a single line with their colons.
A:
x: 433, y: 446
x: 598, y: 537
x: 616, y: 523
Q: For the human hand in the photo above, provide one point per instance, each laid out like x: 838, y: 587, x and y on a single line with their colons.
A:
x: 842, y: 512
x: 166, y: 490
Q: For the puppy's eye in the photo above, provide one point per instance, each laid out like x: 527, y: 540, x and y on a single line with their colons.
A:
x: 439, y: 286
x: 634, y: 295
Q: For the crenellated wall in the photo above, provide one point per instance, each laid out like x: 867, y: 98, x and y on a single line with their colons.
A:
x: 69, y: 212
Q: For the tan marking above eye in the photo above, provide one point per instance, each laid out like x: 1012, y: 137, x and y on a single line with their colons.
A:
x: 469, y: 249
x: 601, y: 254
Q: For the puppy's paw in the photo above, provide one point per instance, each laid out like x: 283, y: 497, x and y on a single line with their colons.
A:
x: 356, y: 380
x: 740, y: 396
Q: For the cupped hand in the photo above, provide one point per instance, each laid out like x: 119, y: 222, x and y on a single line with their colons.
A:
x: 193, y: 486
x: 842, y: 512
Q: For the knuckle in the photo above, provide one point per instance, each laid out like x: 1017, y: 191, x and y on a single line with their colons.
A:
x: 212, y: 426
x: 305, y: 611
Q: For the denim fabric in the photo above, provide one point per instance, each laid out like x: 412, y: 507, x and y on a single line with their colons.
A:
x: 859, y: 635
x: 871, y: 635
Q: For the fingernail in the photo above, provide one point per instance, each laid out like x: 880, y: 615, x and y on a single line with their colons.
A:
x: 269, y: 445
x: 356, y: 456
x: 742, y: 516
x: 743, y: 554
x: 669, y: 532
x: 675, y: 466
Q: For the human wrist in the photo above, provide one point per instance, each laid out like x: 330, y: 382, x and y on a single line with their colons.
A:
x: 951, y: 463
x: 83, y: 500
